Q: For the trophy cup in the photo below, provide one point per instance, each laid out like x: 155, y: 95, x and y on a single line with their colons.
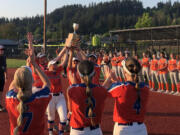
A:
x: 73, y: 38
x: 75, y: 27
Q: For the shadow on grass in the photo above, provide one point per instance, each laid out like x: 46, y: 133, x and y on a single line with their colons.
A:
x: 173, y: 114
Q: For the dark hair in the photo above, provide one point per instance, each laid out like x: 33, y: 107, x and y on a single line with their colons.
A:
x: 134, y: 67
x: 86, y: 68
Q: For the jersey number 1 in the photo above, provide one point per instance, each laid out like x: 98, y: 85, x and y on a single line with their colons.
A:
x: 28, y: 116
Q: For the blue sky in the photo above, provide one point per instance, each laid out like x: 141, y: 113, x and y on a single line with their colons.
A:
x: 23, y: 8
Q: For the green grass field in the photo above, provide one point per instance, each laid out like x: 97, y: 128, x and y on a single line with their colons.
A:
x: 15, y: 63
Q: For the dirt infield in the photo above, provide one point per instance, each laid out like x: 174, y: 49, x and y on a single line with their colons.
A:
x: 162, y: 118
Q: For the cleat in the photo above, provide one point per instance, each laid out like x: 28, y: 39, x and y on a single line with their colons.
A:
x: 2, y: 109
x: 166, y: 92
x: 176, y: 93
x: 172, y: 92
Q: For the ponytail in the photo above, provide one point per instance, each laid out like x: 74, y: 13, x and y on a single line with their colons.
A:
x: 89, y: 100
x: 137, y: 104
x: 21, y: 107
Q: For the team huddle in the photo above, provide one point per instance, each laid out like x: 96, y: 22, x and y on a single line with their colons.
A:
x: 36, y: 92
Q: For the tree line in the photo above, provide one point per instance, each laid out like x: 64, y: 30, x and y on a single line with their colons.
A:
x: 96, y: 18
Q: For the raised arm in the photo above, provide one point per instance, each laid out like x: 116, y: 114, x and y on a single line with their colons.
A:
x: 60, y: 54
x: 70, y: 59
x: 40, y: 73
x: 65, y: 58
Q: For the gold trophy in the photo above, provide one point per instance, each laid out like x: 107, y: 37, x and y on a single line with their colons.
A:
x: 73, y: 38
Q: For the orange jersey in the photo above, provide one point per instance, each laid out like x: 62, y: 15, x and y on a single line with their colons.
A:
x: 162, y: 66
x: 55, y: 78
x: 172, y: 64
x: 145, y: 62
x: 154, y: 65
x: 120, y: 59
x: 178, y: 65
x: 76, y: 75
x: 96, y: 77
x: 34, y: 119
x: 78, y: 98
x: 126, y: 107
x: 113, y: 61
x: 99, y: 60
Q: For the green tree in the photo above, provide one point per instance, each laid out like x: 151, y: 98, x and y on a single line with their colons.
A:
x: 144, y: 21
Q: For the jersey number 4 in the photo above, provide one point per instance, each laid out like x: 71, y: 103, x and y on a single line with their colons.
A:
x: 28, y: 117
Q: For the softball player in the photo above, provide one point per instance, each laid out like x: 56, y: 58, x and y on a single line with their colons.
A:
x: 130, y: 101
x: 58, y: 100
x: 163, y: 70
x: 154, y: 72
x: 114, y: 64
x: 72, y: 67
x: 93, y: 58
x: 26, y: 109
x: 120, y: 69
x: 172, y: 67
x: 87, y: 102
x: 145, y: 68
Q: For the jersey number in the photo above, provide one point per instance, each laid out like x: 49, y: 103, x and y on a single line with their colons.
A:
x: 28, y: 116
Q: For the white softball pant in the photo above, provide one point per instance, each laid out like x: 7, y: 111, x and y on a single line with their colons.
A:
x: 173, y: 77
x: 145, y: 72
x: 57, y: 103
x: 163, y: 78
x: 135, y: 129
x: 120, y: 72
x: 115, y: 69
x: 154, y: 74
x: 86, y: 131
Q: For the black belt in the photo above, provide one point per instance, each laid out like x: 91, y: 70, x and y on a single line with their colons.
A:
x: 129, y: 124
x: 56, y: 94
x: 91, y: 128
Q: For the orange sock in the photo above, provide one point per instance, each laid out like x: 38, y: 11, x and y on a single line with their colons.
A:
x: 153, y: 85
x: 162, y: 86
x: 150, y: 84
x: 159, y: 84
x: 167, y: 86
x: 178, y: 87
x: 173, y: 87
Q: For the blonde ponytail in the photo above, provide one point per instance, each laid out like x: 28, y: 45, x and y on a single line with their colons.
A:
x: 21, y: 107
x: 23, y: 81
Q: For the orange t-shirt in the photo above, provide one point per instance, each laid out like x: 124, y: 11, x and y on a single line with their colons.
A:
x: 172, y: 64
x: 162, y: 64
x: 145, y: 62
x: 154, y: 65
x: 178, y: 65
x: 120, y: 59
x: 113, y: 61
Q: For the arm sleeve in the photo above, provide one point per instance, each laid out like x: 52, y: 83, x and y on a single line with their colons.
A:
x: 116, y: 89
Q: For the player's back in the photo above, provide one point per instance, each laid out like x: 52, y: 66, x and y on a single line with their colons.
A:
x: 34, y: 118
x: 125, y: 96
x: 77, y: 94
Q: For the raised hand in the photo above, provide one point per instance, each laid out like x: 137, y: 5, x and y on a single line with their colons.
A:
x: 30, y: 40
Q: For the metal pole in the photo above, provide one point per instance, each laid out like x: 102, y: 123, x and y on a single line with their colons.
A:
x: 44, y: 34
